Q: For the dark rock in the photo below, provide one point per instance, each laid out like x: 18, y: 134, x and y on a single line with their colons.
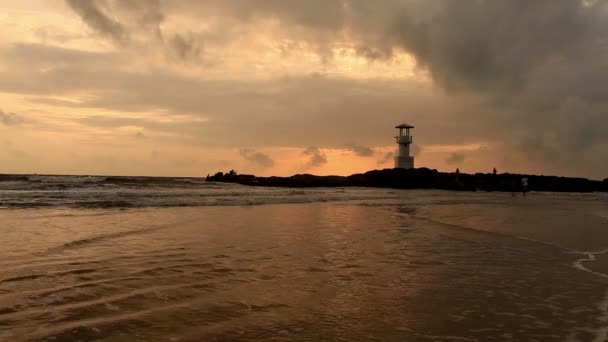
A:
x: 422, y: 178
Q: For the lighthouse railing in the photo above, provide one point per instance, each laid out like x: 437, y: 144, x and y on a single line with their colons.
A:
x: 404, y: 139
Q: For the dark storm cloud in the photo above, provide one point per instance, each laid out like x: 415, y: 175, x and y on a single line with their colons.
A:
x: 317, y: 158
x: 542, y: 62
x: 526, y: 57
x: 470, y: 44
x: 361, y: 151
x: 10, y: 119
x: 455, y: 158
x: 538, y: 66
x: 257, y: 157
x: 490, y: 45
x: 474, y: 44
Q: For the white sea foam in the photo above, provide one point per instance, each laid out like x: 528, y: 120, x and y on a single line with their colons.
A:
x: 601, y: 334
x: 126, y: 196
x: 589, y: 257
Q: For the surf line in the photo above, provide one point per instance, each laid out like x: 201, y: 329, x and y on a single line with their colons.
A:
x: 601, y: 334
x: 589, y: 257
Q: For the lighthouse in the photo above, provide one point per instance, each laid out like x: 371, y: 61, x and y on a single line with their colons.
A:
x: 403, y: 160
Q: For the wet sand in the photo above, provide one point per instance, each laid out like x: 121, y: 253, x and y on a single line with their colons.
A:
x: 297, y: 272
x: 600, y: 264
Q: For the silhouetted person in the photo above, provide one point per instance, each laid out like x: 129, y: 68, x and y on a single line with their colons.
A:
x: 524, y: 185
x: 494, y: 171
x: 457, y: 171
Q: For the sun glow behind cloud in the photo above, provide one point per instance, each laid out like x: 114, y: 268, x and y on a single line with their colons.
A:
x: 182, y: 87
x: 260, y: 51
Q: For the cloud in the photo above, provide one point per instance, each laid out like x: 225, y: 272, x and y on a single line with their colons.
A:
x: 52, y: 34
x: 500, y: 50
x: 205, y: 112
x: 470, y: 45
x: 257, y: 157
x: 125, y: 23
x: 57, y: 59
x: 415, y: 149
x: 361, y: 151
x: 137, y: 25
x: 455, y: 158
x: 388, y: 157
x: 464, y: 44
x: 542, y: 85
x: 317, y: 158
x: 531, y: 144
x: 268, y: 109
x: 529, y: 75
x: 186, y: 47
x: 10, y: 119
x: 477, y: 45
x: 93, y: 14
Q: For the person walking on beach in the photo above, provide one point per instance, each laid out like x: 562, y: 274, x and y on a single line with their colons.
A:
x: 524, y: 185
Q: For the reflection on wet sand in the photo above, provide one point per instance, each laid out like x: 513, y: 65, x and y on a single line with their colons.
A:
x: 299, y: 272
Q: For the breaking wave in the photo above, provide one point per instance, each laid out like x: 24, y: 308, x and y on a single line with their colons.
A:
x: 96, y: 192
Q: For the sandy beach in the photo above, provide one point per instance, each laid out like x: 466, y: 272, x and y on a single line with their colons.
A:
x: 291, y: 170
x: 361, y: 265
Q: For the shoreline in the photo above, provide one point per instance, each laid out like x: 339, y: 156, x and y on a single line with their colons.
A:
x: 595, y: 263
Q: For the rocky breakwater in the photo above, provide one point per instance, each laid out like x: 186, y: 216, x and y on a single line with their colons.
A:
x: 421, y: 178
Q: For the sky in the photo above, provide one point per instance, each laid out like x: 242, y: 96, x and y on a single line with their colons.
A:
x: 280, y: 87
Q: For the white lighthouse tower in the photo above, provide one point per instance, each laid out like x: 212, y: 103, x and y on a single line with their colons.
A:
x: 403, y: 160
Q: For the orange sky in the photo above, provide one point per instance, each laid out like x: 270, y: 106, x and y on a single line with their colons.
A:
x: 186, y: 88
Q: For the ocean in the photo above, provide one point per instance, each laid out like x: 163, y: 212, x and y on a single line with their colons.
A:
x: 180, y: 259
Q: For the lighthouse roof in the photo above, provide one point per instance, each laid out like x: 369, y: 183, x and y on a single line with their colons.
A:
x: 404, y: 125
